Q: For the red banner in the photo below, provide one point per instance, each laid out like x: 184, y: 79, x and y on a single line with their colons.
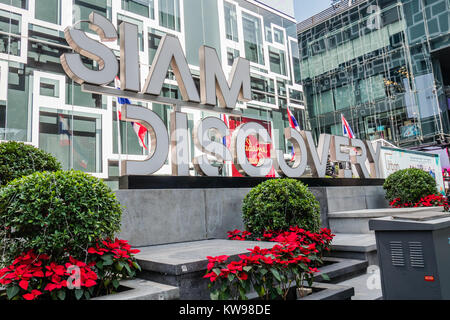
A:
x: 255, y: 151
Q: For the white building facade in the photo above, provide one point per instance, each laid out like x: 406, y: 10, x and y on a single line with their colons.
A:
x: 40, y: 105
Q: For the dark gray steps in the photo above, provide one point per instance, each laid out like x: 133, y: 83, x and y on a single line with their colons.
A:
x: 183, y: 265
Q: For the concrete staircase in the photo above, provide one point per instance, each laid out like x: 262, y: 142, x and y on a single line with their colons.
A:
x: 353, y: 238
x: 183, y: 266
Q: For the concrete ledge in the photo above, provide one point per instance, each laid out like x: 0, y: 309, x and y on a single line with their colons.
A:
x: 144, y: 290
x: 355, y: 246
x: 331, y: 292
x: 182, y: 258
x: 340, y: 269
x: 357, y: 221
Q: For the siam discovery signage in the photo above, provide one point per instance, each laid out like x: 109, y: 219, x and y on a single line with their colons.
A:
x: 214, y: 86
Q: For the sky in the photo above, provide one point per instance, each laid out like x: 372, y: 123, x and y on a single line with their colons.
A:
x: 305, y: 9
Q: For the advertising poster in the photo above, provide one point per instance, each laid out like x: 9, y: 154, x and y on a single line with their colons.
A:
x: 255, y: 151
x: 393, y: 160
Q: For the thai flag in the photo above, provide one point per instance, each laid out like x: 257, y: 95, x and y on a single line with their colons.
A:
x: 292, y: 121
x: 64, y: 131
x: 140, y: 130
x: 294, y: 125
x: 65, y: 135
x: 346, y: 129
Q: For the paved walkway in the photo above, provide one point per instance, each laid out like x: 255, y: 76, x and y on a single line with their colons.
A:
x: 367, y: 286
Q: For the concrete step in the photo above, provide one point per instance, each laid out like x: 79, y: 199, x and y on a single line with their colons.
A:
x: 355, y: 246
x: 339, y: 269
x: 139, y: 289
x: 367, y: 287
x: 357, y: 221
x: 183, y: 265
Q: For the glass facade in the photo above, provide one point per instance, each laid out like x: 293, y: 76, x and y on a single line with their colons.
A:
x: 40, y: 105
x: 380, y: 63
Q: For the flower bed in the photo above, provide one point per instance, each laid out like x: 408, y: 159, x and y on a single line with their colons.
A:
x: 36, y: 276
x: 428, y: 201
x: 270, y: 273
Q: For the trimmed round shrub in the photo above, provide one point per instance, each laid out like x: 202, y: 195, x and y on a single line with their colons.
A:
x: 409, y: 185
x: 57, y: 212
x: 278, y: 204
x: 18, y: 159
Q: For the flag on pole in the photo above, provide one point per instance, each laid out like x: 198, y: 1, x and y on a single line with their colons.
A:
x: 294, y: 125
x: 65, y: 135
x: 64, y: 131
x: 346, y: 129
x: 292, y: 121
x: 139, y: 129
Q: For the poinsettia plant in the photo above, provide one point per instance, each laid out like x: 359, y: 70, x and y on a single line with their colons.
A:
x: 428, y: 201
x: 36, y: 276
x: 269, y: 272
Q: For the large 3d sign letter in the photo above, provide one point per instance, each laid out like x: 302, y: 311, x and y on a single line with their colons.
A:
x: 159, y: 144
x: 374, y: 158
x: 300, y: 159
x: 207, y: 146
x: 337, y: 155
x: 214, y: 84
x: 83, y: 45
x: 317, y: 163
x: 170, y: 53
x: 359, y: 160
x: 238, y: 143
x: 129, y: 57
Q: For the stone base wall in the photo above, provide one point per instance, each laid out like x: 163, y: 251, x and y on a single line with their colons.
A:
x: 162, y: 216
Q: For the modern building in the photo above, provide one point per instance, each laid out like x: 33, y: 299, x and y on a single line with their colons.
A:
x: 40, y: 105
x: 384, y: 65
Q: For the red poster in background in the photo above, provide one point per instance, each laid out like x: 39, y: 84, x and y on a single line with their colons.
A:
x: 254, y: 151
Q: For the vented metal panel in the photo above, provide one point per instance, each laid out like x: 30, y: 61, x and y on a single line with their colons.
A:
x: 416, y: 255
x: 397, y: 253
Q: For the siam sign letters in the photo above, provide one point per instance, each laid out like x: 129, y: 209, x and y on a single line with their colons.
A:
x: 214, y: 86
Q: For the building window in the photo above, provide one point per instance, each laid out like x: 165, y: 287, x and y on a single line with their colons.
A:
x: 74, y: 139
x: 231, y: 21
x: 253, y: 38
x: 23, y: 4
x: 11, y: 25
x: 232, y: 54
x: 144, y: 8
x: 169, y: 14
x: 277, y: 61
x: 48, y: 10
x: 49, y: 88
x: 278, y: 35
x: 83, y: 8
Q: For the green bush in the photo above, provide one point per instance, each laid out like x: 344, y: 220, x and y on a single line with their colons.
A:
x: 409, y: 185
x: 278, y: 204
x: 57, y: 212
x: 18, y: 159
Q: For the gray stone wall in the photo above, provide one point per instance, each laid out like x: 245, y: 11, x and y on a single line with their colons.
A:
x: 153, y: 217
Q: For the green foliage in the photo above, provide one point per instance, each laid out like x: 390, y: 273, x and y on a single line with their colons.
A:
x: 18, y: 159
x: 57, y: 212
x: 409, y: 185
x: 278, y: 204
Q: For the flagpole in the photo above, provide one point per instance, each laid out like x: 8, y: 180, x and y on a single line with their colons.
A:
x: 119, y: 139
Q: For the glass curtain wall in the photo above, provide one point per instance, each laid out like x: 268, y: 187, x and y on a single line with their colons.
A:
x: 361, y: 64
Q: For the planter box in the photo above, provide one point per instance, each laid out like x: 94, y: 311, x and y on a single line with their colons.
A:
x: 321, y: 291
x: 138, y: 289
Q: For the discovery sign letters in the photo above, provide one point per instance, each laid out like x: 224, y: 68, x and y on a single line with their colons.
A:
x: 214, y: 87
